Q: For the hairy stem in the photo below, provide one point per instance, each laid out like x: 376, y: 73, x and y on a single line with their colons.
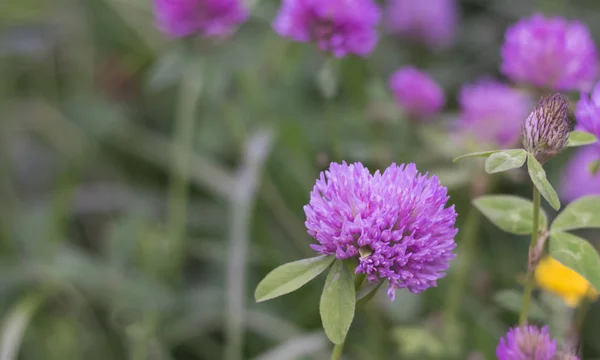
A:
x: 531, y: 264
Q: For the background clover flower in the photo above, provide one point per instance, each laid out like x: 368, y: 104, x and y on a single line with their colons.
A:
x: 337, y: 26
x: 558, y: 279
x: 578, y: 179
x: 526, y: 343
x: 549, y: 52
x: 546, y: 130
x: 179, y: 18
x: 416, y: 92
x: 431, y: 22
x: 588, y: 112
x: 395, y: 223
x: 491, y: 113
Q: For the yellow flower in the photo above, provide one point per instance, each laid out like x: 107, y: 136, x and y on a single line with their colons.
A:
x: 556, y: 278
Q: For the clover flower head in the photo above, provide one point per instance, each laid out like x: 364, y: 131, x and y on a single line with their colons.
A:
x: 416, y: 92
x: 578, y: 178
x: 551, y: 53
x: 210, y: 18
x: 431, y: 22
x: 340, y: 27
x: 588, y: 112
x: 395, y: 223
x: 526, y: 343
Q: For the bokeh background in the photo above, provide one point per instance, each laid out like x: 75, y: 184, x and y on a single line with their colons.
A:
x: 92, y: 264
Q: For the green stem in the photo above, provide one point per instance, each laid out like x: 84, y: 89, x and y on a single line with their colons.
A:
x: 180, y: 157
x: 531, y: 269
x: 468, y: 245
x: 336, y: 354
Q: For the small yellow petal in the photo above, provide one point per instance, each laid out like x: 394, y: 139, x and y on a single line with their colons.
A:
x: 571, y: 300
x: 554, y: 277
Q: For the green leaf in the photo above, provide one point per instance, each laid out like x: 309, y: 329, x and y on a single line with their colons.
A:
x: 538, y: 176
x: 512, y: 300
x: 512, y: 214
x: 593, y: 167
x: 367, y: 291
x: 476, y: 154
x: 338, y: 302
x: 579, y: 138
x: 505, y: 160
x: 581, y: 213
x: 290, y: 277
x: 577, y: 254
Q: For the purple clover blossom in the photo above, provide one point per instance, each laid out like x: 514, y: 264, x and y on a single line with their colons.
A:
x: 492, y: 113
x: 179, y: 18
x: 550, y: 52
x: 338, y: 26
x: 526, y: 343
x: 431, y: 22
x: 588, y: 112
x: 578, y: 179
x: 416, y: 92
x: 394, y: 223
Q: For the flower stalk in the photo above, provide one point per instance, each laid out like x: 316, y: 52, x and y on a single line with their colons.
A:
x: 533, y: 253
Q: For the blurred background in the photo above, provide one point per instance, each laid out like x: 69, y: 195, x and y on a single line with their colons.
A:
x: 104, y: 254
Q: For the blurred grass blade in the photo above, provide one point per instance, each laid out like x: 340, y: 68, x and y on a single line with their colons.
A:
x: 242, y: 201
x: 296, y: 348
x: 182, y: 150
x: 15, y: 323
x: 512, y: 300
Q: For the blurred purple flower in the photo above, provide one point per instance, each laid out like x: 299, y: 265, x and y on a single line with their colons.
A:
x: 179, y: 18
x: 492, y: 113
x: 549, y: 52
x: 588, y: 112
x: 432, y: 22
x: 395, y: 223
x: 526, y: 343
x: 416, y: 92
x: 578, y: 180
x: 337, y: 26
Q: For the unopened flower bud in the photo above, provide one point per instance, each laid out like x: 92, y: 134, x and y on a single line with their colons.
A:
x: 546, y: 130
